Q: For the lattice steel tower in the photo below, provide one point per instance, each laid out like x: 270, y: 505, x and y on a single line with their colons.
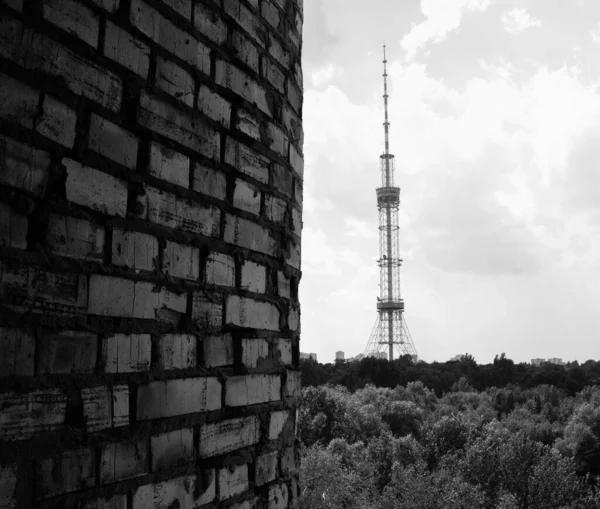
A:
x: 390, y: 328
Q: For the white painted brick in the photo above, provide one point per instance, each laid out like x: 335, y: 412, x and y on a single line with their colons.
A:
x: 254, y: 277
x: 214, y: 106
x: 175, y: 81
x: 252, y: 390
x: 19, y: 160
x: 173, y: 448
x: 181, y: 261
x: 254, y: 351
x: 227, y: 436
x: 252, y: 314
x: 283, y: 350
x: 283, y: 285
x: 13, y: 228
x: 133, y: 249
x: 18, y: 101
x: 178, y: 397
x: 112, y: 141
x: 278, y: 496
x: 8, y: 486
x: 246, y: 197
x: 57, y: 122
x: 120, y: 398
x: 246, y: 160
x: 67, y: 352
x: 26, y: 415
x: 220, y: 270
x: 126, y: 354
x: 207, y: 312
x: 233, y: 480
x: 166, y: 164
x: 169, y: 210
x: 218, y: 351
x: 244, y: 233
x: 275, y: 208
x: 181, y: 492
x: 96, y: 408
x: 73, y: 17
x: 277, y: 422
x: 75, y: 238
x: 294, y: 319
x: 17, y: 348
x: 292, y: 385
x: 239, y: 82
x: 266, y: 468
x: 209, y: 23
x: 95, y: 189
x: 209, y: 181
x: 123, y: 48
x: 123, y: 460
x: 66, y: 471
x: 177, y: 351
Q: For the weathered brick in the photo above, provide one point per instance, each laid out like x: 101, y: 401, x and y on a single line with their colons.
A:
x: 254, y: 277
x: 183, y: 492
x: 126, y: 353
x: 297, y: 221
x: 175, y: 81
x: 169, y: 165
x: 294, y: 97
x: 178, y: 397
x: 271, y: 14
x: 96, y: 408
x: 109, y: 5
x: 67, y: 352
x: 279, y: 53
x: 112, y: 141
x: 75, y: 238
x: 177, y: 351
x: 246, y: 160
x: 250, y: 313
x: 276, y: 139
x: 29, y: 414
x: 13, y: 228
x: 244, y: 233
x: 208, y: 181
x: 265, y: 469
x: 18, y: 101
x: 123, y: 460
x: 65, y: 472
x: 246, y: 197
x: 214, y: 106
x: 207, y: 312
x: 173, y: 448
x: 210, y: 24
x: 296, y: 161
x: 246, y: 504
x: 278, y: 496
x: 283, y: 351
x: 239, y: 82
x: 233, y: 480
x: 254, y: 351
x: 220, y: 269
x: 292, y: 384
x: 273, y: 74
x: 17, y: 350
x: 293, y: 125
x: 275, y: 209
x: 11, y: 33
x: 248, y: 123
x: 133, y: 249
x: 246, y: 52
x: 294, y: 319
x: 226, y: 436
x: 123, y: 48
x: 292, y: 255
x: 120, y: 412
x: 282, y: 179
x: 181, y: 261
x: 289, y: 462
x: 183, y: 7
x: 218, y: 351
x: 283, y: 285
x: 23, y: 166
x: 8, y: 486
x: 57, y: 122
x: 298, y: 194
x: 114, y: 502
x: 95, y: 189
x: 74, y: 18
x: 247, y: 20
x: 252, y: 390
x: 277, y: 422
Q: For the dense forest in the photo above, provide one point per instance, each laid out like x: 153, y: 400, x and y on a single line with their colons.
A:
x: 403, y: 435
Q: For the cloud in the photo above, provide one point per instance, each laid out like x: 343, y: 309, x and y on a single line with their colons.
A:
x: 518, y: 20
x: 323, y: 75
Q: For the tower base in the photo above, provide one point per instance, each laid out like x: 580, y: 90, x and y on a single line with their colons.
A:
x: 379, y: 342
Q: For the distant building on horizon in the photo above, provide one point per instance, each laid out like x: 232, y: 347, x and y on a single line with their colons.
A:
x: 537, y: 362
x: 305, y: 356
x: 359, y: 357
x: 553, y: 360
x: 339, y: 356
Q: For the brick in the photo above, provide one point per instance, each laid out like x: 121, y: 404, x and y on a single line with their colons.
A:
x: 11, y: 34
x: 208, y: 181
x: 295, y: 97
x: 278, y: 496
x: 18, y: 101
x: 135, y: 250
x: 292, y: 384
x: 265, y: 469
x: 57, y: 122
x: 114, y: 502
x: 246, y: 52
x: 293, y: 125
x: 126, y: 353
x: 162, y: 31
x: 233, y: 480
x: 246, y: 504
x: 250, y: 313
x: 178, y: 397
x: 175, y: 81
x: 210, y: 24
x: 282, y: 179
x: 298, y: 195
x: 67, y: 352
x: 271, y: 14
x: 273, y: 74
x: 276, y: 139
x: 181, y: 261
x: 275, y: 209
x: 74, y: 18
x: 246, y: 160
x: 8, y: 486
x: 75, y: 238
x: 254, y: 351
x: 185, y: 492
x: 292, y: 255
x: 289, y: 463
x: 66, y: 472
x: 173, y: 448
x: 126, y: 50
x: 29, y: 414
x: 296, y: 161
x: 247, y: 123
x: 214, y: 106
x: 120, y: 412
x: 227, y: 436
x: 23, y: 167
x: 277, y: 422
x: 168, y: 210
x: 283, y: 285
x: 294, y: 320
x: 249, y: 235
x: 239, y: 82
x: 254, y: 277
x: 297, y: 221
x: 247, y: 20
x: 109, y: 5
x: 95, y: 189
x: 123, y: 461
x: 246, y: 197
x: 96, y: 408
x: 169, y: 165
x: 177, y: 351
x: 13, y: 228
x: 283, y: 351
x: 112, y: 141
x: 179, y: 126
x: 80, y: 76
x: 279, y: 53
x: 207, y: 313
x: 252, y: 390
x: 17, y: 350
x: 183, y: 7
x: 218, y: 351
x: 220, y: 270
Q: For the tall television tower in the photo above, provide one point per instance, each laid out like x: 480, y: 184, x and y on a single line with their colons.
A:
x: 390, y: 328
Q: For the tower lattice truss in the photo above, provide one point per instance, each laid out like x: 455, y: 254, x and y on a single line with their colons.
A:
x: 390, y: 333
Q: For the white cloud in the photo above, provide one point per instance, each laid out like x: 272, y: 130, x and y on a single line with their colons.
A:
x: 595, y: 34
x: 518, y: 20
x: 323, y: 75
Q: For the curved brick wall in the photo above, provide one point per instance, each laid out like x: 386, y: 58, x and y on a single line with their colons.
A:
x: 150, y: 215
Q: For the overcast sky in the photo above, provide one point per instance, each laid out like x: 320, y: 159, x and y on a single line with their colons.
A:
x: 495, y: 124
